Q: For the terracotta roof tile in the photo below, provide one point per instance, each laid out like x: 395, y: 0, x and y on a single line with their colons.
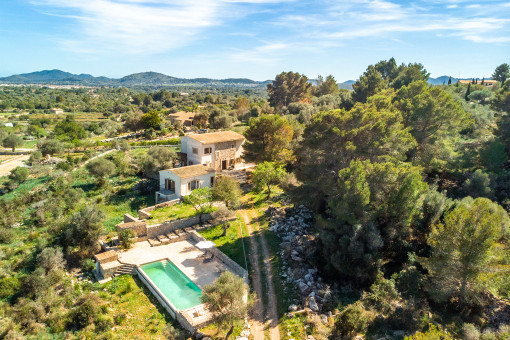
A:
x: 217, y: 137
x: 192, y: 171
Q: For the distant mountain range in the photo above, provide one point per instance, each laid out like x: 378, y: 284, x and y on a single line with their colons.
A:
x: 152, y: 79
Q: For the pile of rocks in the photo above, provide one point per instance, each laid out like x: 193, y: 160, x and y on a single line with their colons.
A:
x: 295, y: 226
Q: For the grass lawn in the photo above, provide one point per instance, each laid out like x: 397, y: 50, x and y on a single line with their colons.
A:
x: 174, y: 212
x: 130, y: 300
x: 241, y: 128
x: 29, y: 144
x: 233, y: 244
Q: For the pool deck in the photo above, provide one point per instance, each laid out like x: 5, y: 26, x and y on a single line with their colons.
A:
x: 188, y: 258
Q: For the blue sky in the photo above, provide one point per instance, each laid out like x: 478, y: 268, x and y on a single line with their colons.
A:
x: 255, y: 39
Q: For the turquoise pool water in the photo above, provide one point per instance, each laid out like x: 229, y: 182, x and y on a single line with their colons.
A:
x: 176, y: 286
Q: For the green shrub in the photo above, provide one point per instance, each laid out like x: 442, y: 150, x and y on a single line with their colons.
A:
x: 88, y: 266
x: 19, y: 174
x: 127, y: 238
x: 65, y: 166
x: 8, y: 287
x: 88, y: 311
x: 103, y: 323
x: 351, y: 321
x: 120, y: 318
x: 6, y: 235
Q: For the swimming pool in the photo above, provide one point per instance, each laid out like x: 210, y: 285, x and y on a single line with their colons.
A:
x: 176, y: 286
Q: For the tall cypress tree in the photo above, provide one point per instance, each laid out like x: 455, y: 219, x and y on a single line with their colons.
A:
x: 483, y: 80
x: 450, y: 80
x: 466, y: 97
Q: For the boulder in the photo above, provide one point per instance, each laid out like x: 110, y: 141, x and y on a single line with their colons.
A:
x: 313, y: 304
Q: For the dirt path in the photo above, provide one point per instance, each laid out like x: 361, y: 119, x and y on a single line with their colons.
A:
x: 272, y: 312
x: 272, y: 309
x: 95, y: 157
x: 6, y: 167
x: 257, y: 317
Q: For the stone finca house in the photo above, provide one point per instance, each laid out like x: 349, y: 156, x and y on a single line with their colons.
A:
x: 178, y: 182
x: 219, y: 150
x: 202, y: 155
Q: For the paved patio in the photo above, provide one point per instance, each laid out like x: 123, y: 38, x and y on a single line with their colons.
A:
x: 188, y: 258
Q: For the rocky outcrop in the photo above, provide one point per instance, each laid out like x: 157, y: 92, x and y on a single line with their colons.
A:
x: 295, y: 227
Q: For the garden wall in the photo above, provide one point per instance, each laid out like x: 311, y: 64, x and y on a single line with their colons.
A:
x: 128, y: 218
x: 168, y: 227
x: 140, y: 227
x: 145, y: 213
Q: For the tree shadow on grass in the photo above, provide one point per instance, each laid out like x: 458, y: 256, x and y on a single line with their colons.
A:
x: 155, y: 302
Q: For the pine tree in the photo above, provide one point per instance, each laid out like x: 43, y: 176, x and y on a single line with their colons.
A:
x: 450, y: 81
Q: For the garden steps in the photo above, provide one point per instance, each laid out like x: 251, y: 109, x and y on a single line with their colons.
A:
x: 126, y: 269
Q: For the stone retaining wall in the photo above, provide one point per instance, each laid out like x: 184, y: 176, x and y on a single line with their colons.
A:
x: 140, y: 227
x: 145, y: 212
x: 168, y: 227
x: 128, y: 218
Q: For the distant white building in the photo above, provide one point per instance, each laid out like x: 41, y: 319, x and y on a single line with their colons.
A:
x: 178, y: 182
x: 8, y: 124
x: 219, y: 150
x: 57, y: 111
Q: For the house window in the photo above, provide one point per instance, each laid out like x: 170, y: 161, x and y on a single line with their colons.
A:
x: 192, y: 185
x: 232, y: 146
x: 212, y: 181
x: 207, y: 151
x: 169, y: 184
x: 194, y: 150
x: 190, y: 163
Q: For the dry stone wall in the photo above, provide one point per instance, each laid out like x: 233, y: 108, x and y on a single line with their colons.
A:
x: 140, y: 227
x: 128, y: 218
x: 145, y: 213
x: 168, y: 227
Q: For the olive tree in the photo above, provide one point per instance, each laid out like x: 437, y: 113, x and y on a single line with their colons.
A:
x: 101, y: 168
x: 226, y: 300
x: 200, y: 199
x: 12, y: 141
x: 268, y: 174
x: 228, y: 190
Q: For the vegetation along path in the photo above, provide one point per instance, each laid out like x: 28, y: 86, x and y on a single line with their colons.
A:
x: 271, y: 309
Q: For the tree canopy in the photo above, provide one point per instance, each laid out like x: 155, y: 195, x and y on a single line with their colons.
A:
x: 226, y: 299
x: 460, y: 247
x: 288, y: 87
x: 501, y: 73
x: 268, y: 138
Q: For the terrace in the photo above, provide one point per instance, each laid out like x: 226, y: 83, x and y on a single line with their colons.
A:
x: 200, y: 266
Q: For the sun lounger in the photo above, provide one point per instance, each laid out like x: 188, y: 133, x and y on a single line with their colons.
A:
x: 163, y: 239
x: 154, y: 242
x: 209, y: 259
x: 179, y: 232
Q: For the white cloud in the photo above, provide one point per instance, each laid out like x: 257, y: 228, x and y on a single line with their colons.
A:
x: 384, y: 19
x: 140, y: 26
x: 268, y: 53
